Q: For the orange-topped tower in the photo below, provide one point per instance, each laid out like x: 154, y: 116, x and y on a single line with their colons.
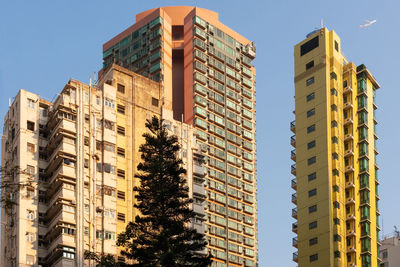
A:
x: 208, y: 80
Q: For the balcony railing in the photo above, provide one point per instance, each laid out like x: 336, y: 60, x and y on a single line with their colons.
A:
x: 293, y: 169
x: 293, y: 140
x: 294, y: 183
x: 293, y: 126
x: 294, y: 198
x: 294, y: 242
x: 293, y: 154
x: 295, y: 256
x: 294, y: 213
x: 294, y: 227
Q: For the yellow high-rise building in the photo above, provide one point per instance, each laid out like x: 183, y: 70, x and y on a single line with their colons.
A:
x: 336, y: 174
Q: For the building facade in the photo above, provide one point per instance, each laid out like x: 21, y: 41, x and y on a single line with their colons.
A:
x: 336, y: 173
x: 390, y: 250
x: 76, y: 160
x: 208, y: 81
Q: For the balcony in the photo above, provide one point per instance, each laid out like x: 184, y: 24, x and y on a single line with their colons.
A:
x: 64, y: 147
x: 348, y: 137
x: 293, y: 154
x: 295, y: 256
x: 348, y: 153
x: 350, y: 185
x: 350, y: 201
x: 351, y: 249
x: 350, y: 217
x: 351, y: 233
x: 294, y: 198
x: 347, y: 90
x: 294, y: 227
x: 293, y: 140
x: 294, y: 183
x: 347, y: 106
x: 63, y: 170
x: 198, y: 169
x: 348, y: 121
x: 293, y: 126
x: 294, y: 242
x: 349, y: 169
x: 294, y: 213
x: 293, y: 169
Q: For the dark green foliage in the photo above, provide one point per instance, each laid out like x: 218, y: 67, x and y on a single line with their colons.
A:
x: 160, y: 236
x: 103, y: 260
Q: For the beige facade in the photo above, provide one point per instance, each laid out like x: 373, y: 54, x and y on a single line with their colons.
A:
x: 81, y: 153
x: 390, y: 250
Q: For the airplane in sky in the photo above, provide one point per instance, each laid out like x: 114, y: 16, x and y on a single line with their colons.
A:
x: 368, y: 23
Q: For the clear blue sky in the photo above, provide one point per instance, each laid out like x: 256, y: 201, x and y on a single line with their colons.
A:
x: 44, y: 43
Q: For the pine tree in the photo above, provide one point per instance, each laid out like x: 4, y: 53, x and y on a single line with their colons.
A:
x: 160, y: 236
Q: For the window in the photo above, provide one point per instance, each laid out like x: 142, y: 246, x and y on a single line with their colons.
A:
x: 30, y: 260
x: 30, y: 125
x: 312, y: 192
x: 121, y: 109
x: 30, y: 237
x: 333, y: 107
x: 335, y: 172
x: 109, y: 125
x: 344, y: 84
x: 336, y: 221
x: 121, y: 130
x: 311, y: 144
x: 121, y: 173
x: 109, y: 103
x: 312, y: 209
x: 30, y: 215
x: 121, y: 217
x: 310, y: 113
x: 335, y: 188
x: 310, y: 64
x: 311, y: 128
x: 334, y: 92
x: 311, y: 160
x: 121, y: 195
x: 333, y: 75
x: 30, y: 148
x: 336, y: 254
x: 31, y: 103
x: 121, y: 152
x: 154, y: 101
x: 337, y: 238
x: 313, y: 257
x: 30, y: 170
x: 313, y: 241
x: 120, y: 88
x: 312, y: 225
x: 312, y: 176
x: 334, y: 140
x: 335, y: 155
x: 333, y: 124
x: 310, y: 97
x: 336, y: 46
x: 310, y: 81
x: 309, y: 46
x: 336, y: 205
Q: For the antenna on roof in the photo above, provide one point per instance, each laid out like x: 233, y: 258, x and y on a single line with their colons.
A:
x: 9, y: 102
x: 322, y: 23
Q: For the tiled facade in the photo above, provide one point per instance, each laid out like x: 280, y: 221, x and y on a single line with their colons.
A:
x: 208, y: 80
x: 336, y: 184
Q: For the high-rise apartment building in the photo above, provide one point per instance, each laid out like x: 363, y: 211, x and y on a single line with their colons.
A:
x: 336, y: 184
x: 77, y: 158
x: 208, y: 80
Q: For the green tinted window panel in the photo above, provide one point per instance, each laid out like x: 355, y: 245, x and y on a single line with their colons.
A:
x: 156, y: 22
